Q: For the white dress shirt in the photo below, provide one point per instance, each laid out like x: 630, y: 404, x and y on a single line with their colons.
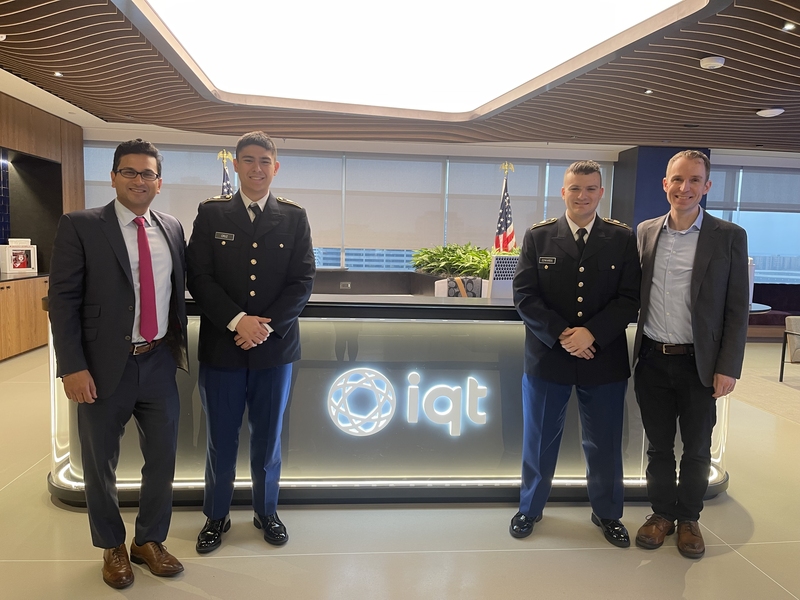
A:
x: 162, y: 267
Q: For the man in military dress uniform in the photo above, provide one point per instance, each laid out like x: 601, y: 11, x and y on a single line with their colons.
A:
x: 576, y: 288
x: 251, y: 268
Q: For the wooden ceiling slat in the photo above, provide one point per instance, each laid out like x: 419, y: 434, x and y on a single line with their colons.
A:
x: 113, y: 71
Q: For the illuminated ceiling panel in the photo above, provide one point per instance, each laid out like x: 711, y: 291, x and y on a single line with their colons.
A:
x: 434, y: 55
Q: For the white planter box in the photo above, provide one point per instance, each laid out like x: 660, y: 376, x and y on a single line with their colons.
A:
x: 448, y: 287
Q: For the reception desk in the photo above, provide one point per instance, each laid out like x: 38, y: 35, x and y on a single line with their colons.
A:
x: 396, y: 398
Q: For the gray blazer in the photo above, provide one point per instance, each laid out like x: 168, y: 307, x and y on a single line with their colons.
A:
x: 719, y: 294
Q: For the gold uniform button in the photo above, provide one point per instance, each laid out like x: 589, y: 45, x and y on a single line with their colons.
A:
x: 281, y: 245
x: 580, y: 298
x: 613, y: 267
x: 580, y: 314
x: 545, y: 267
x: 253, y: 261
x: 253, y: 277
x: 255, y: 244
x: 252, y: 293
x: 581, y: 269
x: 580, y: 284
x: 222, y: 242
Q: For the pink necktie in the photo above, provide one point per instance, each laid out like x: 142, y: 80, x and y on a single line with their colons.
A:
x: 148, y: 325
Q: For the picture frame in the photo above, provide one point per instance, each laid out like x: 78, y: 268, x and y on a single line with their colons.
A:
x: 18, y: 259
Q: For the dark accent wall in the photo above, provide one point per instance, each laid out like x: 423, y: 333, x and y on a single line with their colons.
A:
x: 5, y: 226
x: 35, y: 202
x: 638, y: 183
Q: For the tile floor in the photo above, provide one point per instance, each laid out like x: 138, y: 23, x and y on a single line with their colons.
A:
x: 423, y: 551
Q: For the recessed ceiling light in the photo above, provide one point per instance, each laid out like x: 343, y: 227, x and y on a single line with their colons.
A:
x: 2, y: 37
x: 788, y: 26
x: 649, y: 92
x: 58, y: 74
x: 712, y: 62
x: 769, y: 112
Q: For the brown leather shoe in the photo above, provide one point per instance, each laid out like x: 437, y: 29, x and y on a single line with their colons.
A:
x: 117, y: 570
x: 158, y: 560
x: 652, y: 534
x: 690, y: 540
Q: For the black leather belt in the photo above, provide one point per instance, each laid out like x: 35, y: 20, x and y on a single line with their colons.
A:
x: 668, y: 349
x: 137, y: 349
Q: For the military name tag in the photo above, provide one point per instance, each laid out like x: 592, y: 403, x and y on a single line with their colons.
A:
x: 224, y: 236
x: 547, y: 260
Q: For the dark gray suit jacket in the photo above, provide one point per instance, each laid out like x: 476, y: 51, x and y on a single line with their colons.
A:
x: 91, y: 298
x: 719, y: 294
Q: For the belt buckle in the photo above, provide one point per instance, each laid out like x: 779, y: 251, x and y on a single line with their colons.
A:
x: 664, y: 348
x: 137, y: 350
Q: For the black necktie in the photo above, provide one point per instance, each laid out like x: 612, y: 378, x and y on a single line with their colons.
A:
x: 580, y: 242
x: 256, y: 211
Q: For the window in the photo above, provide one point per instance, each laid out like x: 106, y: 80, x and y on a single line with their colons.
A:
x: 367, y: 211
x: 766, y: 203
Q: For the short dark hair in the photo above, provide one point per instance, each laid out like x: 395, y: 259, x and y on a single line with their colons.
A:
x: 692, y: 155
x: 584, y: 167
x: 257, y: 138
x: 137, y: 146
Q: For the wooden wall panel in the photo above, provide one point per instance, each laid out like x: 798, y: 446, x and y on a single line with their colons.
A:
x: 29, y: 130
x: 72, y: 184
x: 23, y: 322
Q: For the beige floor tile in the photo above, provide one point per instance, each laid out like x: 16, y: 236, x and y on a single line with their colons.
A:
x: 778, y: 561
x: 427, y: 551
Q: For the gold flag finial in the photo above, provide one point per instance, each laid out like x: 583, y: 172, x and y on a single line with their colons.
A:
x: 506, y: 167
x: 226, y: 156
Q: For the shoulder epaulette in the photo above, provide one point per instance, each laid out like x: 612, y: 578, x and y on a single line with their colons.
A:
x: 287, y: 201
x: 615, y: 222
x: 224, y: 198
x: 545, y: 222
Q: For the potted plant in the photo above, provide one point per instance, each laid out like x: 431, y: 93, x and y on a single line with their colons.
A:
x: 464, y: 268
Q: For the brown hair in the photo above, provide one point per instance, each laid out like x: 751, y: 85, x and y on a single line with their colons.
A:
x: 584, y: 167
x: 692, y: 155
x: 257, y: 138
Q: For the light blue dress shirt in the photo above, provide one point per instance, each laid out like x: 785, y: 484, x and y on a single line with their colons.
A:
x: 669, y: 319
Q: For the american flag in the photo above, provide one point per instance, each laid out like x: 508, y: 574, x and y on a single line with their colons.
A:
x: 227, y: 190
x: 504, y: 236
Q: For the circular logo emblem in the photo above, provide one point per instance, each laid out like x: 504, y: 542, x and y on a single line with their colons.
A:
x: 361, y: 402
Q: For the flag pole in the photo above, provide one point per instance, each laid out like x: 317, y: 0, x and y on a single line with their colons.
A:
x: 505, y: 239
x: 225, y: 156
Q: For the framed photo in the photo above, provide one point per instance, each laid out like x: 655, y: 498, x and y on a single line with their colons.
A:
x: 18, y: 259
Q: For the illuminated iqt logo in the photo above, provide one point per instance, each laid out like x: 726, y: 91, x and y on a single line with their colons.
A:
x: 362, y: 402
x: 361, y: 420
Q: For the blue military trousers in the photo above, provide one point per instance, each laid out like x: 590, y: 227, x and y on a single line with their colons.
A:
x: 224, y: 394
x: 544, y: 406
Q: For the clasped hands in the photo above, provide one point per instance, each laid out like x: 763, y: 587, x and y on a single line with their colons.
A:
x: 578, y: 342
x: 251, y: 331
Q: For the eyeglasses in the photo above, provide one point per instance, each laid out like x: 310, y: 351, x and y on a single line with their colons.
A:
x: 147, y: 174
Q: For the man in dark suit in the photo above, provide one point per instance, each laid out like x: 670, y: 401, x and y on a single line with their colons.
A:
x: 690, y: 345
x: 118, y: 318
x: 251, y: 269
x: 576, y: 288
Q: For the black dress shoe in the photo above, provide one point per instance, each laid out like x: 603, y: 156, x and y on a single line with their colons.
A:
x: 210, y: 536
x: 522, y: 525
x: 613, y: 530
x: 274, y: 530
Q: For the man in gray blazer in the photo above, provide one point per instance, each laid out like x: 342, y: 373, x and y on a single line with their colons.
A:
x: 118, y: 318
x: 689, y: 343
